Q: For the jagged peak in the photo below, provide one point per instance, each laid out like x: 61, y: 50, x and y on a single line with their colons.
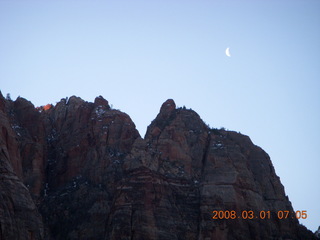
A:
x: 23, y: 101
x: 101, y: 101
x: 168, y: 106
x: 75, y: 100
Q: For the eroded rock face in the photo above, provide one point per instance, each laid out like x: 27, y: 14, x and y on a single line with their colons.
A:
x: 183, y: 171
x: 19, y: 216
x: 84, y: 167
x: 87, y: 143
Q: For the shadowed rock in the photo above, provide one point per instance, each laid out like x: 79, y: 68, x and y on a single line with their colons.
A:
x: 84, y: 167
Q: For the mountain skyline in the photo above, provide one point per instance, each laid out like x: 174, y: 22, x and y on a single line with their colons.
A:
x: 80, y: 170
x: 138, y: 54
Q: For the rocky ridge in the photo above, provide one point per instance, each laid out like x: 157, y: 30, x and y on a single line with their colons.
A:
x: 80, y: 170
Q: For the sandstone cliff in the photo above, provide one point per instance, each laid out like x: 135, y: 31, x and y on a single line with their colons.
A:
x: 80, y: 170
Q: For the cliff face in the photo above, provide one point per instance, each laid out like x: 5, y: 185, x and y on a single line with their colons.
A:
x: 19, y: 216
x: 80, y: 170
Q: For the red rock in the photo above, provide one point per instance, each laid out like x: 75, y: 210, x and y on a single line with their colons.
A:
x: 19, y: 216
x: 91, y: 176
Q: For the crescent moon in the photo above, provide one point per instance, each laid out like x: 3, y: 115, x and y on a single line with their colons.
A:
x: 228, y: 52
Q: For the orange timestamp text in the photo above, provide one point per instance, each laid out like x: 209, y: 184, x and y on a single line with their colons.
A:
x: 249, y: 214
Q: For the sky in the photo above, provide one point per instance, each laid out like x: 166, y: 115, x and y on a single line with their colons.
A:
x: 137, y: 54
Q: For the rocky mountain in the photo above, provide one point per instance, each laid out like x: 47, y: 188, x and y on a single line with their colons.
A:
x: 80, y: 170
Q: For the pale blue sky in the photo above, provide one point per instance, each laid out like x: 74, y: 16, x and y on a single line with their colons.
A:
x: 137, y: 54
